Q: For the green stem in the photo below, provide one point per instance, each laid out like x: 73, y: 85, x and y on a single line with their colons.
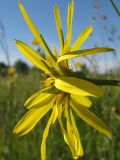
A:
x: 115, y: 7
x: 104, y: 82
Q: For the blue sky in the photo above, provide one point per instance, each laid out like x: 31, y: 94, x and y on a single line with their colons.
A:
x: 42, y: 14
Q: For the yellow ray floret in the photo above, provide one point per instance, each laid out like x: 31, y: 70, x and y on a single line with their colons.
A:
x: 82, y: 38
x: 69, y: 27
x: 33, y: 56
x: 66, y: 136
x: 47, y: 90
x: 59, y: 26
x: 85, y: 101
x: 74, y: 136
x: 31, y: 118
x: 78, y: 86
x: 41, y: 99
x: 83, y: 52
x: 45, y: 134
x: 35, y: 31
x: 91, y: 118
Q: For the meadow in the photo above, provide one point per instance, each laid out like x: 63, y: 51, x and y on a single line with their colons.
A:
x: 14, y: 92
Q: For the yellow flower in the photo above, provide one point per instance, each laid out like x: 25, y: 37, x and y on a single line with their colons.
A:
x: 78, y: 64
x: 10, y: 70
x: 64, y: 91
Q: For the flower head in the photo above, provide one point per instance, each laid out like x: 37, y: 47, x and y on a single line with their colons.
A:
x: 10, y: 70
x: 64, y: 91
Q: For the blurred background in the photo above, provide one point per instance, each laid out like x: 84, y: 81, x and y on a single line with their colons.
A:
x: 19, y: 79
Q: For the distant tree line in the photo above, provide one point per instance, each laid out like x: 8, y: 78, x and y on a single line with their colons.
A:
x: 20, y: 67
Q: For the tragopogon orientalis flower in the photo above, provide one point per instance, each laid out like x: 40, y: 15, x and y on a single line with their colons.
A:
x: 64, y: 90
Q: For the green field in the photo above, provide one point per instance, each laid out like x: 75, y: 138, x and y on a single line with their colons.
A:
x: 14, y: 92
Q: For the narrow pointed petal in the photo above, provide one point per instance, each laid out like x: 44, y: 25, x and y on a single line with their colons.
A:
x: 91, y: 119
x: 42, y: 99
x: 45, y: 135
x: 79, y: 147
x: 33, y: 56
x: 59, y: 26
x: 55, y: 51
x: 82, y: 38
x: 65, y: 134
x: 74, y: 136
x: 84, y: 52
x: 55, y: 115
x: 69, y: 25
x: 85, y: 101
x: 47, y: 90
x: 78, y: 86
x: 73, y: 140
x: 35, y: 31
x: 30, y: 119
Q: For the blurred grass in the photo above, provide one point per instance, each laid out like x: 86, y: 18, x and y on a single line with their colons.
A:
x: 96, y: 146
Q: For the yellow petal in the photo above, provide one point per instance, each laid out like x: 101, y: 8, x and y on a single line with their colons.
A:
x: 45, y: 135
x: 74, y: 136
x: 85, y: 101
x: 55, y: 115
x: 84, y: 52
x: 59, y: 25
x: 42, y: 99
x: 33, y: 56
x: 72, y: 139
x: 91, y: 118
x: 78, y: 86
x: 35, y: 31
x: 82, y: 38
x: 69, y: 25
x: 66, y: 137
x: 35, y: 42
x: 31, y: 118
x: 47, y: 90
x: 79, y: 147
x: 55, y: 51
